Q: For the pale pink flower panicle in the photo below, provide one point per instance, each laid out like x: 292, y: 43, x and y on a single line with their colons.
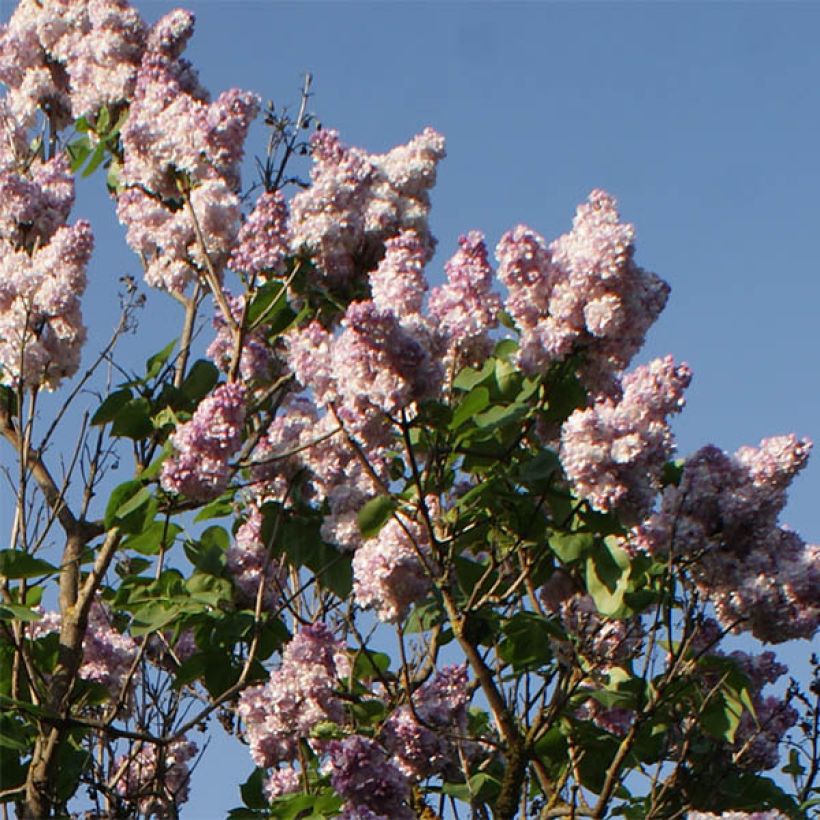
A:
x: 157, y: 778
x: 356, y: 201
x: 372, y: 785
x: 759, y: 575
x: 108, y: 654
x: 465, y: 309
x: 388, y: 574
x: 425, y: 747
x: 249, y: 563
x: 582, y: 292
x: 297, y: 696
x: 203, y: 446
x: 613, y: 452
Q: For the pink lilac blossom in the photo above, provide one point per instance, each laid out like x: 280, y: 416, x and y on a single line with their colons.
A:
x: 582, y: 292
x: 263, y: 242
x: 281, y: 782
x: 722, y: 519
x: 378, y: 363
x: 615, y: 720
x: 465, y: 309
x: 422, y: 740
x: 203, y: 446
x: 70, y: 57
x: 301, y: 444
x: 356, y: 201
x: 298, y: 696
x: 398, y: 284
x: 257, y: 360
x: 371, y: 784
x: 41, y: 327
x: 173, y: 132
x: 602, y: 642
x: 107, y: 654
x: 157, y: 778
x: 614, y: 451
x: 388, y: 575
x: 249, y: 564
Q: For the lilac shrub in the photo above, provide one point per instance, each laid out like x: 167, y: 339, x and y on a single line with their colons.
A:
x: 424, y: 551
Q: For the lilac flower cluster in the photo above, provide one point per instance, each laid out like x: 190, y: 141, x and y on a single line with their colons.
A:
x: 175, y: 137
x: 156, y: 778
x: 357, y: 201
x: 759, y: 576
x: 758, y: 737
x: 613, y: 452
x: 107, y: 654
x: 422, y: 740
x: 373, y: 786
x: 600, y: 642
x: 262, y: 243
x: 203, y: 446
x: 301, y: 443
x: 465, y: 309
x: 69, y: 58
x: 249, y: 564
x: 388, y: 572
x: 256, y: 359
x: 298, y: 695
x: 582, y: 292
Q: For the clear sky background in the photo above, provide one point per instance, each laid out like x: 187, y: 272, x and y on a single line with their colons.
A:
x: 703, y: 119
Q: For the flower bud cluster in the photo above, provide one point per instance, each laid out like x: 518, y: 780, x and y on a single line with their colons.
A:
x: 156, y: 778
x: 759, y: 576
x: 613, y: 452
x: 203, y: 446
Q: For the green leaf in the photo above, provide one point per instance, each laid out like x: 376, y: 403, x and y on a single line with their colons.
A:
x: 526, y: 643
x: 474, y: 402
x: 111, y: 406
x: 201, y: 379
x: 481, y: 787
x: 506, y: 348
x: 607, y: 577
x: 424, y: 616
x: 570, y: 546
x: 15, y: 612
x: 375, y: 514
x: 155, y: 363
x: 78, y: 152
x: 370, y: 665
x: 133, y: 420
x: 253, y: 795
x: 151, y: 540
x: 17, y: 564
x: 469, y: 377
x: 221, y: 508
x: 721, y: 716
x: 500, y: 415
x: 126, y: 499
x: 269, y: 300
x: 97, y: 156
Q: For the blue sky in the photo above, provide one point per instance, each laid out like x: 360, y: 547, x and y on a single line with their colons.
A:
x: 701, y: 118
